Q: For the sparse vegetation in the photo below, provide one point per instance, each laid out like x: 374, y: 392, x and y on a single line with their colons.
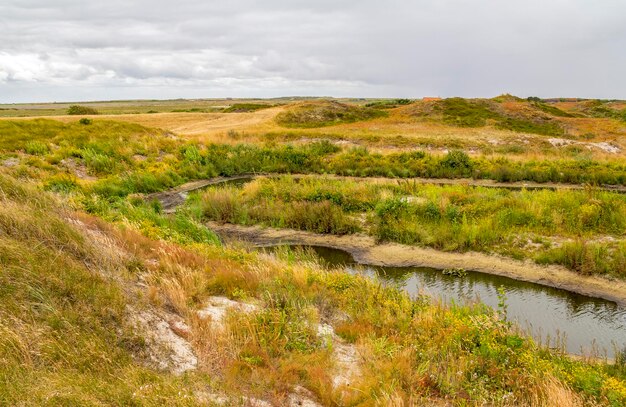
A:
x: 461, y: 112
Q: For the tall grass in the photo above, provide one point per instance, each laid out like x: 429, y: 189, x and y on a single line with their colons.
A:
x: 227, y: 205
x: 557, y: 227
x: 64, y: 334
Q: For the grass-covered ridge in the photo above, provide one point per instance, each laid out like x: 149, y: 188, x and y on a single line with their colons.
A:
x: 246, y: 107
x: 325, y: 113
x: 536, y: 118
x: 72, y: 282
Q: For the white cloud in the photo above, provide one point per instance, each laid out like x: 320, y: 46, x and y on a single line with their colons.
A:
x: 70, y: 49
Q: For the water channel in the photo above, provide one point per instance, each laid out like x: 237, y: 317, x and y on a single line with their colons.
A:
x: 584, y: 325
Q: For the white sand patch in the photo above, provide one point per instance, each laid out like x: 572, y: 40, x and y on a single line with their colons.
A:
x: 603, y: 145
x: 11, y: 162
x: 166, y: 349
x: 345, y: 354
x: 608, y: 147
x: 217, y: 307
x: 301, y: 397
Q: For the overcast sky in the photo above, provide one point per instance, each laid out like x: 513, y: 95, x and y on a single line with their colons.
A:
x: 72, y: 50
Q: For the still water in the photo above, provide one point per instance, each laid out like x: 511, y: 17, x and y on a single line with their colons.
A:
x: 584, y: 324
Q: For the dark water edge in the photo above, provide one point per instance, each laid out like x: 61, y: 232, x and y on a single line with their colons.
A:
x: 582, y: 325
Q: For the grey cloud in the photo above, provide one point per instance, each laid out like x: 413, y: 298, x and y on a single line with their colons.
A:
x: 67, y: 49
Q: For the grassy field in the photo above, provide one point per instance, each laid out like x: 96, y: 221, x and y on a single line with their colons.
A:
x: 97, y: 282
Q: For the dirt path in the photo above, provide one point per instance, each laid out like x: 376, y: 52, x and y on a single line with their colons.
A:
x: 365, y: 250
x: 481, y: 183
x: 174, y: 197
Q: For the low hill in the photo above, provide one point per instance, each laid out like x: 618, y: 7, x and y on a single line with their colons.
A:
x: 325, y: 113
x: 510, y: 113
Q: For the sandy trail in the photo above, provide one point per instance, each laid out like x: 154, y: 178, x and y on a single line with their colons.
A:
x: 366, y: 251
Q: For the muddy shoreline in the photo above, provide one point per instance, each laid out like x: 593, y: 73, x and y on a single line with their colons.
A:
x: 365, y: 250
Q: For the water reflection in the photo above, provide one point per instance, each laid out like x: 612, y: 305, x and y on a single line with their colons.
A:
x: 545, y: 312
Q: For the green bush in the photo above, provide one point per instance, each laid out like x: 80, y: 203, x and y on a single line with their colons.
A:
x: 79, y: 110
x: 246, y: 107
x: 527, y: 126
x: 457, y: 163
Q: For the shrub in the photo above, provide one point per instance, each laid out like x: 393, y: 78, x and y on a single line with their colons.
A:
x: 527, y: 126
x: 85, y: 121
x: 457, y: 162
x: 389, y: 104
x: 79, y: 110
x: 245, y: 107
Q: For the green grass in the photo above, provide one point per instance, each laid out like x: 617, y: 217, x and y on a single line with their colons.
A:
x: 466, y: 113
x: 553, y: 110
x: 527, y: 126
x: 450, y: 218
